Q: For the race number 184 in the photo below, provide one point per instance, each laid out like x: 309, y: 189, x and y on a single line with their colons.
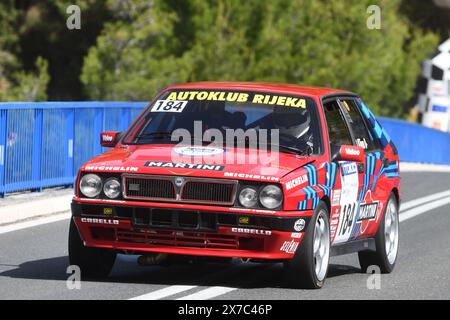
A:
x: 169, y: 106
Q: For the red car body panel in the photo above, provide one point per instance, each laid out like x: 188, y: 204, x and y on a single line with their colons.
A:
x: 305, y: 182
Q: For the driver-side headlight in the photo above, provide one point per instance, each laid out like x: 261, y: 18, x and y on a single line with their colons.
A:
x: 91, y: 185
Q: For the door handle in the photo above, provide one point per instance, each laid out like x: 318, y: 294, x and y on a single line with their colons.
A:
x: 360, y: 167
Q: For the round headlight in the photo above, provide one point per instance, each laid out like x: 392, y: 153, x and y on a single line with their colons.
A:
x: 271, y: 196
x: 91, y: 185
x: 112, y: 188
x: 248, y: 197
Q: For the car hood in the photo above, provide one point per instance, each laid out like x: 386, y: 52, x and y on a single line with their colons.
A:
x: 169, y: 159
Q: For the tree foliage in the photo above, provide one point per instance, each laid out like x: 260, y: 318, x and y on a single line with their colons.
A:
x: 15, y: 82
x: 152, y: 44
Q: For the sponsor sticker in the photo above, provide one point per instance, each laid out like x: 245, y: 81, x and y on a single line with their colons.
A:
x: 299, y: 225
x: 368, y: 211
x: 172, y: 165
x: 336, y: 197
x: 289, y: 247
x: 100, y: 221
x: 244, y: 220
x: 296, y: 235
x: 111, y: 168
x: 107, y: 211
x: 352, y: 152
x: 349, y: 168
x: 267, y: 99
x: 252, y: 231
x: 197, y: 151
x: 107, y: 138
x: 296, y: 182
x: 250, y: 176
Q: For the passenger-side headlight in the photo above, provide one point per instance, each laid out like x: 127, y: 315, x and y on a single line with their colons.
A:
x: 112, y: 188
x: 91, y: 185
x: 271, y: 196
x: 248, y: 197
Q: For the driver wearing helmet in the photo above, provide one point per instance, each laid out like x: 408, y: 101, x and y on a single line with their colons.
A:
x: 293, y: 125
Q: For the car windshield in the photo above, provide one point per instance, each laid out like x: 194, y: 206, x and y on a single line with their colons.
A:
x: 202, y: 113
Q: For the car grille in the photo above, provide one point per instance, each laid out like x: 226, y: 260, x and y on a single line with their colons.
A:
x: 149, y: 188
x: 209, y: 192
x: 177, y: 189
x: 178, y: 238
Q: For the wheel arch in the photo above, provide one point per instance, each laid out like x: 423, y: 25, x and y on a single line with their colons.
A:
x: 327, y: 202
x: 396, y: 193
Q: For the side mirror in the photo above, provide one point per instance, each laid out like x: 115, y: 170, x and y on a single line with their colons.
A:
x: 347, y: 153
x: 109, y: 139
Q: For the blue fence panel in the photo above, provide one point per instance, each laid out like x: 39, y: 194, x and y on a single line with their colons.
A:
x: 416, y: 143
x: 43, y: 144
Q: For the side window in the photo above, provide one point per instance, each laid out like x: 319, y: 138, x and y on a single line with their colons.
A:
x: 337, y: 129
x: 357, y: 124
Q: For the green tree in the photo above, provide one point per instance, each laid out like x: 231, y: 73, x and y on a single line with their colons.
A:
x: 152, y: 44
x: 15, y: 83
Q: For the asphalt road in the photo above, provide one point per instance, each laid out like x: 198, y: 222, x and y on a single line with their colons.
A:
x: 33, y: 265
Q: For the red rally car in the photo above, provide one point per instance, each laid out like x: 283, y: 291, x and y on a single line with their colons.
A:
x: 258, y: 171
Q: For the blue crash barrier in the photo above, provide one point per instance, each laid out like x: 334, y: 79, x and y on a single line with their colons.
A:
x: 43, y: 144
x: 416, y: 143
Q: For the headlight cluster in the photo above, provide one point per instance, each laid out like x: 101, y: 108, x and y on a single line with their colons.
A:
x: 91, y: 185
x: 270, y: 197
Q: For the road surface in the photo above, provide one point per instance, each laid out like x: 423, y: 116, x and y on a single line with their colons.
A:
x: 33, y: 264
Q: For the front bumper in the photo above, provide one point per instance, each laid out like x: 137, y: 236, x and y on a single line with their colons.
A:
x: 188, y: 229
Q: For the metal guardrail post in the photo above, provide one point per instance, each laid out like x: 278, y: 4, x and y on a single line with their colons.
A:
x: 69, y: 118
x: 37, y: 148
x: 3, y: 129
x: 98, y: 128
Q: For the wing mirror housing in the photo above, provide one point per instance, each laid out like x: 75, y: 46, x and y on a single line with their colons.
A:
x: 109, y: 139
x: 347, y: 153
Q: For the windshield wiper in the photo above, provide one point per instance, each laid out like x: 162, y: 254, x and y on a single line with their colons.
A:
x: 156, y: 135
x: 288, y: 149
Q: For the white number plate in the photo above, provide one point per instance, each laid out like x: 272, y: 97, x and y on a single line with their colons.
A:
x: 169, y: 106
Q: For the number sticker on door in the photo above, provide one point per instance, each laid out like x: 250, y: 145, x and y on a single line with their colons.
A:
x: 169, y: 106
x: 348, y: 201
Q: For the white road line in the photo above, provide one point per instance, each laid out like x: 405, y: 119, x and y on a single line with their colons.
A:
x: 34, y: 223
x: 163, y: 293
x: 405, y: 215
x: 208, y: 293
x: 410, y: 204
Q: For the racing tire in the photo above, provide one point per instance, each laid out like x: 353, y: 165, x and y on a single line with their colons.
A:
x: 309, y: 267
x: 386, y: 240
x: 94, y: 263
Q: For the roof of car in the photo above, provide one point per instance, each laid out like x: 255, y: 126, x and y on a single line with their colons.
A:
x: 262, y: 86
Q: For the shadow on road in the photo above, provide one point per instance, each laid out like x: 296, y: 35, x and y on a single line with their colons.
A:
x: 238, y: 275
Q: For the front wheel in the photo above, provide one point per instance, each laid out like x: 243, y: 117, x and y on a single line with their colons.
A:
x: 93, y: 262
x: 386, y: 239
x: 309, y: 267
